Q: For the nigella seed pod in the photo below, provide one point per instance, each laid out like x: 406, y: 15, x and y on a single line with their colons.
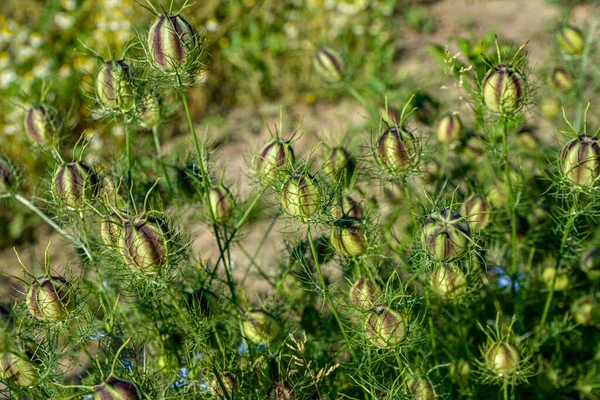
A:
x: 477, y: 212
x: 116, y: 389
x: 111, y: 229
x: 421, y: 388
x: 260, y: 327
x: 348, y: 237
x: 282, y: 390
x: 551, y: 107
x: 203, y: 302
x: 340, y: 166
x: 74, y: 184
x: 396, y: 150
x: 590, y: 263
x: 503, y: 358
x: 329, y: 64
x: 583, y: 310
x: 448, y: 281
x: 19, y: 371
x: 225, y: 386
x: 390, y: 116
x: 51, y: 299
x: 560, y: 279
x: 446, y: 235
x: 114, y: 85
x: 347, y: 207
x: 503, y: 90
x: 274, y: 158
x: 301, y: 196
x: 171, y: 42
x: 385, y: 327
x: 560, y: 79
x: 143, y: 244
x: 581, y: 160
x: 221, y: 203
x: 40, y: 123
x: 364, y: 292
x: 570, y: 40
x: 448, y: 128
x: 149, y: 110
x: 8, y: 176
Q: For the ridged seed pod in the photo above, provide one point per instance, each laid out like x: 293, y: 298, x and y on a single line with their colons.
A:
x: 446, y: 235
x: 144, y: 244
x: 329, y: 65
x: 390, y: 116
x: 282, y: 390
x: 503, y: 90
x: 347, y: 207
x: 8, y: 176
x: 74, y: 183
x: 560, y: 79
x: 149, y: 110
x: 503, y: 358
x: 581, y: 160
x: 41, y: 123
x: 274, y: 158
x: 477, y: 212
x: 114, y: 85
x: 116, y: 389
x: 448, y: 128
x: 301, y: 197
x: 571, y: 40
x: 396, y: 150
x: 222, y: 203
x: 260, y: 327
x: 340, y: 166
x: 227, y: 381
x: 421, y: 388
x: 448, y: 281
x: 19, y: 371
x: 171, y: 42
x: 385, y: 327
x: 590, y: 263
x: 348, y: 237
x: 51, y: 299
x: 364, y: 292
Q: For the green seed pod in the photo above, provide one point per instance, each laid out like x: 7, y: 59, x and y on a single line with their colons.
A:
x: 149, y: 110
x: 339, y: 167
x: 171, y: 42
x: 570, y: 40
x: 590, y: 263
x: 527, y: 140
x: 347, y: 207
x: 260, y: 327
x: 364, y: 292
x: 226, y: 381
x: 503, y: 90
x: 8, y: 176
x: 446, y: 235
x: 348, y: 237
x: 329, y: 65
x: 396, y: 150
x: 282, y: 390
x: 477, y: 212
x: 114, y: 85
x: 116, y: 389
x: 503, y: 358
x: 448, y: 128
x: 274, y: 158
x: 390, y: 116
x: 448, y: 281
x: 41, y: 123
x: 460, y: 371
x: 421, y: 388
x: 561, y: 282
x: 51, y: 299
x: 583, y: 310
x: 385, y: 327
x: 222, y: 203
x: 581, y: 160
x: 19, y: 371
x: 301, y: 197
x: 560, y: 79
x: 144, y: 244
x: 74, y: 183
x: 203, y: 303
x: 551, y: 107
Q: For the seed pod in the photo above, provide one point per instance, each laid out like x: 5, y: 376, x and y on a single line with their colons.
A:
x: 260, y: 327
x: 560, y: 79
x: 448, y: 128
x: 460, y: 371
x: 74, y: 183
x: 114, y: 85
x: 571, y: 40
x: 19, y: 371
x: 116, y: 389
x: 301, y: 196
x: 274, y: 158
x: 203, y: 302
x: 144, y: 244
x: 446, y: 235
x: 222, y: 203
x: 390, y: 116
x: 329, y: 65
x: 503, y: 90
x: 41, y: 123
x: 347, y: 207
x: 385, y: 327
x: 503, y: 358
x: 282, y: 390
x: 51, y: 299
x: 590, y: 263
x: 528, y: 140
x: 551, y: 107
x: 448, y: 281
x: 340, y: 166
x: 583, y: 310
x: 111, y: 229
x: 149, y: 110
x: 581, y: 160
x: 348, y: 237
x: 226, y: 381
x: 561, y: 282
x: 8, y: 176
x: 477, y: 212
x: 421, y: 388
x: 396, y: 150
x: 364, y: 292
x: 171, y: 42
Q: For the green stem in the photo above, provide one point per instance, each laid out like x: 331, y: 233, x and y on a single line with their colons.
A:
x: 410, y: 203
x: 505, y: 389
x: 159, y: 155
x: 128, y: 154
x: 431, y: 329
x: 512, y: 205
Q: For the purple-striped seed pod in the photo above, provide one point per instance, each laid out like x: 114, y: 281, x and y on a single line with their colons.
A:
x: 448, y: 281
x: 225, y: 386
x: 477, y: 212
x: 41, y: 123
x: 348, y: 237
x: 144, y: 244
x: 396, y: 150
x: 503, y: 358
x: 74, y: 183
x: 274, y: 158
x: 503, y: 90
x: 221, y: 203
x: 19, y: 371
x: 590, y: 263
x: 446, y: 235
x: 364, y: 293
x: 282, y: 390
x: 340, y: 166
x: 385, y: 327
x: 51, y: 299
x: 347, y: 207
x: 448, y: 128
x: 149, y: 110
x: 260, y: 327
x: 114, y: 85
x: 171, y: 42
x: 581, y: 160
x: 560, y: 79
x: 390, y: 116
x: 329, y: 64
x: 8, y: 177
x: 421, y: 388
x: 570, y: 40
x: 301, y: 196
x: 116, y: 389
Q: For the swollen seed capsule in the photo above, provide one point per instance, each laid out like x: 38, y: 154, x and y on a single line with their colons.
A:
x: 171, y: 42
x: 7, y: 175
x: 503, y: 359
x: 446, y: 235
x: 396, y: 150
x: 329, y: 65
x: 503, y: 90
x: 348, y: 237
x: 448, y: 281
x: 116, y: 389
x: 339, y: 167
x: 561, y: 282
x: 385, y: 327
x: 347, y: 207
x: 40, y: 123
x: 301, y: 197
x: 143, y: 244
x: 225, y: 383
x: 274, y: 158
x: 260, y: 327
x: 590, y: 263
x: 51, y: 299
x: 571, y: 40
x: 364, y: 292
x: 282, y: 390
x: 448, y: 128
x: 114, y: 85
x: 19, y: 371
x: 583, y: 310
x: 221, y: 203
x: 551, y: 107
x: 421, y: 388
x: 560, y: 79
x: 75, y: 183
x: 581, y: 160
x: 477, y: 212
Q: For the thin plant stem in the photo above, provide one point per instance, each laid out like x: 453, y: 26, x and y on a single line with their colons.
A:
x: 505, y: 389
x: 410, y: 203
x: 512, y: 205
x: 431, y: 328
x: 160, y: 157
x: 128, y: 153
